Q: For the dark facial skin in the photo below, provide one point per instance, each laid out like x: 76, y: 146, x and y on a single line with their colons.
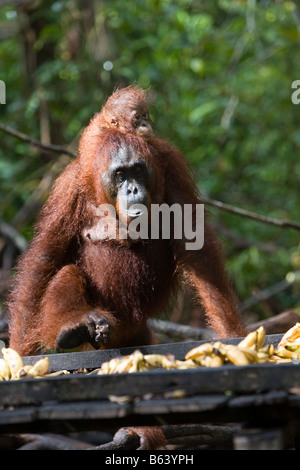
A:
x: 127, y: 182
x: 141, y: 122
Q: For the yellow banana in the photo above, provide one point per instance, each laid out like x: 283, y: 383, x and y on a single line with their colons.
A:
x: 262, y: 357
x: 250, y: 354
x: 203, y: 349
x: 156, y: 360
x: 13, y: 360
x: 188, y: 364
x: 111, y: 366
x: 261, y: 336
x: 267, y: 349
x: 120, y: 399
x: 236, y: 356
x: 254, y: 340
x: 283, y: 353
x: 40, y: 368
x: 58, y: 373
x: 249, y: 340
x: 217, y: 346
x: 23, y: 372
x: 136, y: 359
x: 291, y: 335
x: 213, y: 361
x: 4, y: 369
x: 130, y: 363
x: 169, y: 362
x: 295, y: 347
x: 125, y: 365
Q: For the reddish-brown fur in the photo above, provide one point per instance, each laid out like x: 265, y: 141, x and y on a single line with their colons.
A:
x: 63, y: 276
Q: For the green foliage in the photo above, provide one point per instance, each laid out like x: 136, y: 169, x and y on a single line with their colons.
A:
x: 220, y: 74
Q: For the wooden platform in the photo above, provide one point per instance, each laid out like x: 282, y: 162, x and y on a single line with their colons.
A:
x: 262, y: 396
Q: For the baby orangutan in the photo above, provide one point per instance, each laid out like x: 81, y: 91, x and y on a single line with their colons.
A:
x: 126, y: 110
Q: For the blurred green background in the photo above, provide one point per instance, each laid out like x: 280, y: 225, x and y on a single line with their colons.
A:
x: 220, y: 74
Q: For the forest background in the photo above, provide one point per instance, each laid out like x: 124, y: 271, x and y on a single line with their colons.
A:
x: 221, y: 76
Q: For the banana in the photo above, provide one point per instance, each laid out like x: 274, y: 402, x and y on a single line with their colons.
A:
x: 13, y: 360
x: 58, y: 373
x: 265, y: 354
x: 283, y: 353
x: 120, y: 399
x: 295, y: 347
x: 125, y: 365
x: 4, y: 369
x: 188, y: 364
x: 267, y: 349
x: 198, y: 351
x: 169, y: 362
x: 249, y: 340
x: 118, y: 365
x: 217, y: 346
x: 291, y: 335
x: 213, y: 361
x: 23, y: 372
x: 254, y: 340
x: 40, y: 368
x: 261, y: 336
x: 111, y: 366
x: 136, y: 360
x: 236, y: 356
x: 262, y: 357
x: 250, y: 354
x: 157, y: 360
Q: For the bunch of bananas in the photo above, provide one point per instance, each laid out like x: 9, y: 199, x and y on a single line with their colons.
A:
x: 288, y: 348
x: 250, y: 350
x: 139, y: 362
x: 12, y: 366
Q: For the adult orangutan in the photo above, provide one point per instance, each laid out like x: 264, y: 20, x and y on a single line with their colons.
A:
x: 78, y: 285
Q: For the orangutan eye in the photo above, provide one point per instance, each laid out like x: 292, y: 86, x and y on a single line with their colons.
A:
x: 119, y: 176
x: 145, y: 116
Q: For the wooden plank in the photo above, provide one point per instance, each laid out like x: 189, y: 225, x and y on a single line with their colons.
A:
x: 94, y: 414
x: 186, y: 405
x: 226, y: 379
x: 18, y: 416
x: 102, y: 411
x: 260, y: 439
x: 89, y: 410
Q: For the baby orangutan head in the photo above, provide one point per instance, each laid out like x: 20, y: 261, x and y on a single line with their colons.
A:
x: 126, y: 110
